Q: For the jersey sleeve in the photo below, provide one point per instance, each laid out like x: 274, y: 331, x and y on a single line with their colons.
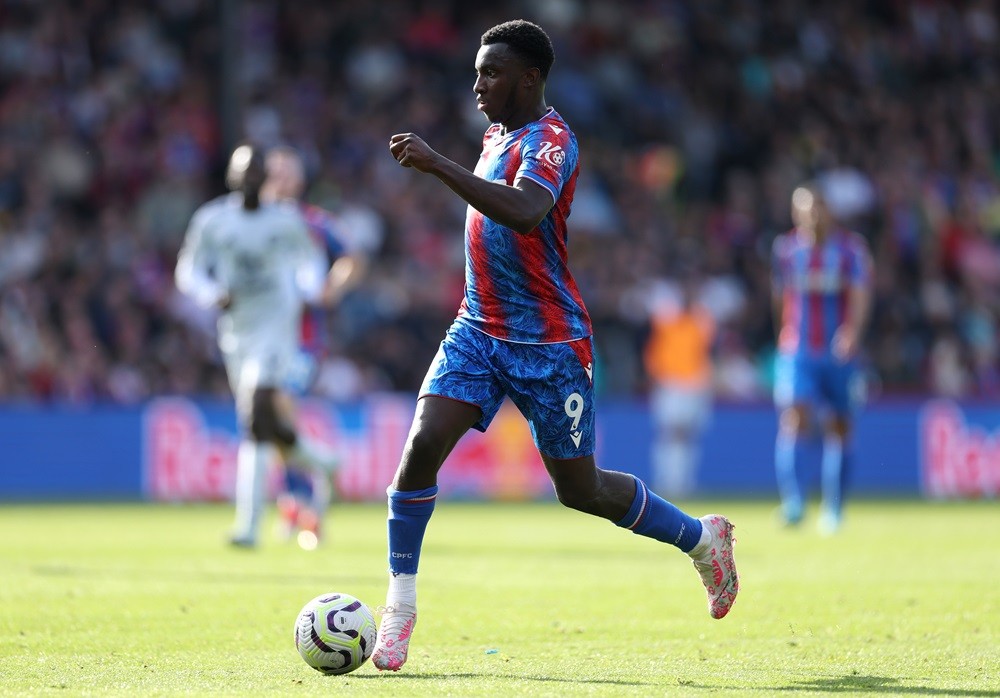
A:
x: 196, y: 274
x: 548, y: 158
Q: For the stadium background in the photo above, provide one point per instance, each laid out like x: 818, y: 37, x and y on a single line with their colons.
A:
x: 695, y: 120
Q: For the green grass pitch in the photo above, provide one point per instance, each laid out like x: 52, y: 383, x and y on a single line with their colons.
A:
x: 515, y: 600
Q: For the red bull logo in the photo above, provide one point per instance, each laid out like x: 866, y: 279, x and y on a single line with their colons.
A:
x: 957, y: 459
x: 186, y: 459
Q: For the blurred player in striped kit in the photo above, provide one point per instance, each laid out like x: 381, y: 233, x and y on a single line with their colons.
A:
x: 822, y: 291
x: 522, y: 332
x: 306, y: 496
x: 256, y: 263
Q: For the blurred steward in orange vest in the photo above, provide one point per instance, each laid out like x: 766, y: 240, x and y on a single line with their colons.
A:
x: 678, y: 362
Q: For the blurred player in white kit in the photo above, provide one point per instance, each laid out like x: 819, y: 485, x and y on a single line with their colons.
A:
x: 256, y: 263
x: 303, y: 503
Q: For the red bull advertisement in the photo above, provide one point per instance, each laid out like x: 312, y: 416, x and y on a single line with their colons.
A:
x: 176, y: 449
x: 189, y: 455
x: 958, y: 458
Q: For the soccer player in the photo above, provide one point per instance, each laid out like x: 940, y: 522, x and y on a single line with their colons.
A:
x: 522, y: 331
x: 822, y: 290
x: 307, y: 494
x: 256, y: 263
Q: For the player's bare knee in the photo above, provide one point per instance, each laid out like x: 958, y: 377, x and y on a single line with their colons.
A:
x: 794, y: 420
x: 839, y: 426
x: 574, y: 498
x: 577, y: 494
x: 426, y: 445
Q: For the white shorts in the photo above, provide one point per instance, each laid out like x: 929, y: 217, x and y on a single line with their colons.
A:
x: 275, y: 366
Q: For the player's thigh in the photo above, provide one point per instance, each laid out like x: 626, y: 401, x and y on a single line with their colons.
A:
x: 258, y: 373
x: 841, y: 391
x: 264, y: 363
x: 462, y: 371
x: 552, y: 385
x: 795, y: 382
x: 438, y: 424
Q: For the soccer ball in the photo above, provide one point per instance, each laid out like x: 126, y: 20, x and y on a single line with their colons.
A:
x: 335, y: 633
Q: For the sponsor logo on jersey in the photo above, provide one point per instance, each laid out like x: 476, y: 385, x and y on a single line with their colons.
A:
x: 821, y: 282
x: 552, y: 153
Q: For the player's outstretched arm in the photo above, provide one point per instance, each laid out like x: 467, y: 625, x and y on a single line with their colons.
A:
x: 520, y: 207
x: 344, y: 275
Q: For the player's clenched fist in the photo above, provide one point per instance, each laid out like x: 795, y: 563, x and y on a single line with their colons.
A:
x: 410, y: 150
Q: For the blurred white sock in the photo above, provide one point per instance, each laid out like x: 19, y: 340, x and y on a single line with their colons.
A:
x: 251, y: 464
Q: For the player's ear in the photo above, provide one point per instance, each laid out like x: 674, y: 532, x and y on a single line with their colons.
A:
x: 531, y: 77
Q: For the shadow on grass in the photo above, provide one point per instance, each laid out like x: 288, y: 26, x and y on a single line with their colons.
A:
x: 858, y: 684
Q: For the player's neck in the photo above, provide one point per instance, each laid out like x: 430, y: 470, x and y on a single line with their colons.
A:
x: 524, y: 117
x: 814, y: 235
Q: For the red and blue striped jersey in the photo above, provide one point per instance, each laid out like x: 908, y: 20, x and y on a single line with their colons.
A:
x: 324, y: 230
x: 814, y: 281
x: 518, y: 286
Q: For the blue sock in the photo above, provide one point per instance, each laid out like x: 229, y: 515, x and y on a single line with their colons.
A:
x: 654, y: 517
x: 409, y: 513
x: 833, y: 469
x: 788, y: 484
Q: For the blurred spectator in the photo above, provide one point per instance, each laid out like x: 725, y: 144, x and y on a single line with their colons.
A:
x: 678, y: 361
x: 115, y: 117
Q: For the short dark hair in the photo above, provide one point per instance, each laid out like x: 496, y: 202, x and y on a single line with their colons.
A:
x: 528, y: 40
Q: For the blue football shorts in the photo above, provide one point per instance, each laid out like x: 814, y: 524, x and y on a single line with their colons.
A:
x: 817, y: 381
x: 300, y: 373
x: 551, y: 384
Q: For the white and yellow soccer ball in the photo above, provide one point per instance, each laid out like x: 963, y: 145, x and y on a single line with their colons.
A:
x: 335, y: 633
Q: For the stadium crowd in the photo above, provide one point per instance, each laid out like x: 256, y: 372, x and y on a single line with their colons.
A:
x: 695, y: 121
